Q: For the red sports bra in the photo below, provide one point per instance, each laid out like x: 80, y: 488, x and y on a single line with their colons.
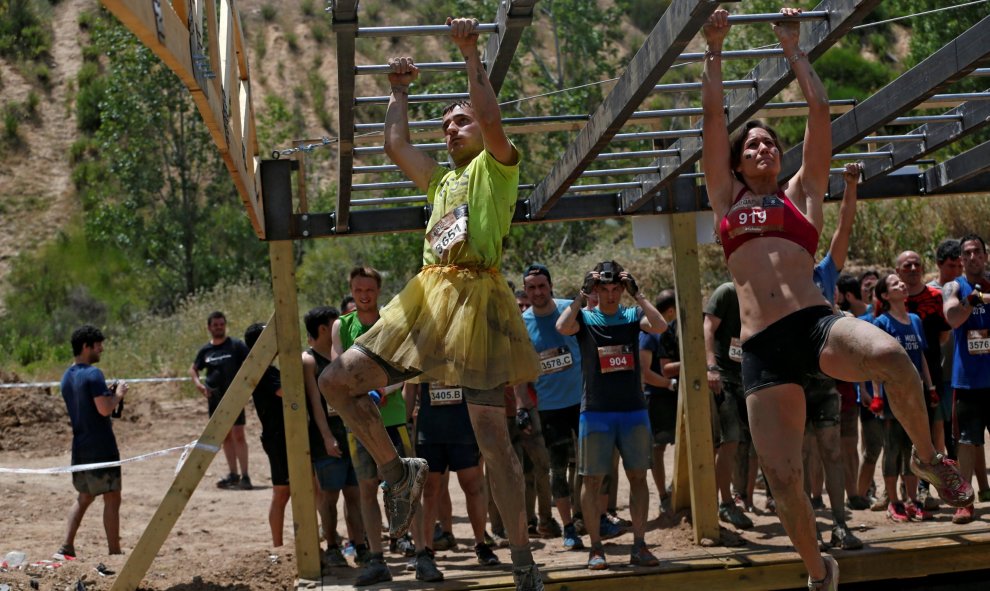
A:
x: 765, y: 215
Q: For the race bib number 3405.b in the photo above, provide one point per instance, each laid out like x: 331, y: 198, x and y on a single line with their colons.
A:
x: 449, y: 230
x: 443, y: 395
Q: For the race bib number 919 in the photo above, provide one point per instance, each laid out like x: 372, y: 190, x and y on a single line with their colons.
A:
x: 616, y: 358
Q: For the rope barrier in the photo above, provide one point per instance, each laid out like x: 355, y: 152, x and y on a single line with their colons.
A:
x: 57, y: 384
x: 100, y: 465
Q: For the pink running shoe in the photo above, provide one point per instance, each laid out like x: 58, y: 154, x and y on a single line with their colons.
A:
x: 943, y: 474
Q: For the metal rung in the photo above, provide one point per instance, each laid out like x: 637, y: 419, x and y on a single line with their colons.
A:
x: 958, y: 97
x: 741, y: 54
x: 743, y: 19
x: 388, y: 200
x: 382, y: 186
x: 919, y: 119
x: 414, y: 98
x: 418, y: 30
x: 603, y: 187
x: 891, y: 139
x: 424, y: 67
x: 980, y: 72
x: 381, y: 149
x: 686, y: 86
x: 618, y: 171
x: 862, y: 156
x: 384, y: 168
x: 637, y: 154
x: 656, y: 135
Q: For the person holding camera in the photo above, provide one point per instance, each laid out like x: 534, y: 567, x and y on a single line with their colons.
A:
x: 90, y: 403
x: 613, y: 409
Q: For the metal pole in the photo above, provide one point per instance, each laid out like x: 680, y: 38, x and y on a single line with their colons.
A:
x: 686, y: 86
x: 924, y: 119
x: 371, y: 150
x: 773, y: 17
x: 741, y: 54
x: 980, y: 72
x: 656, y: 135
x: 637, y: 154
x: 862, y: 156
x: 618, y: 171
x: 414, y: 98
x: 424, y: 67
x: 891, y: 139
x: 958, y: 97
x: 419, y: 30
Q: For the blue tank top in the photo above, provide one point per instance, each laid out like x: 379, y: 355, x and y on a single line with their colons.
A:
x: 971, y: 362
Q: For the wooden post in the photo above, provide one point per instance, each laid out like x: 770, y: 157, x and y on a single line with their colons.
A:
x: 198, y: 459
x: 693, y: 381
x: 680, y: 479
x: 294, y: 408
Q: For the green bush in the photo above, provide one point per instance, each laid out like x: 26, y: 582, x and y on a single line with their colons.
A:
x: 11, y: 125
x: 307, y: 7
x: 293, y: 40
x: 24, y: 34
x: 268, y: 12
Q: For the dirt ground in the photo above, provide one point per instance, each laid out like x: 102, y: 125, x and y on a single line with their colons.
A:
x: 222, y: 541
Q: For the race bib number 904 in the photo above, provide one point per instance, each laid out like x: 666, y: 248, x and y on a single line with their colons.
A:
x: 555, y: 360
x: 451, y: 229
x: 616, y: 358
x: 443, y: 395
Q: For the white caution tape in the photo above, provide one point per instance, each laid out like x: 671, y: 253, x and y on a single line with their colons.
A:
x: 99, y: 465
x: 57, y: 384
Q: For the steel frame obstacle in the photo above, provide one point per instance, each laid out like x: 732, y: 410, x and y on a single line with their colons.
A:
x: 202, y: 41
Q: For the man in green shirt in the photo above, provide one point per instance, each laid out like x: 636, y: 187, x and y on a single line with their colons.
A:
x: 455, y: 323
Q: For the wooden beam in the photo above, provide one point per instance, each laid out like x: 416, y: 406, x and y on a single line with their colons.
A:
x: 958, y: 168
x: 512, y: 18
x: 955, y: 60
x: 678, y: 25
x: 693, y: 382
x: 198, y: 460
x: 680, y: 480
x: 239, y: 45
x: 181, y: 8
x: 345, y: 24
x: 771, y: 75
x: 294, y: 409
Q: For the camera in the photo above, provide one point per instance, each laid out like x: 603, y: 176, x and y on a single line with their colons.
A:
x: 607, y: 274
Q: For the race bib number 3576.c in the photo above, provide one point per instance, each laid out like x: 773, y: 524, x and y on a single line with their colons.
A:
x: 449, y: 230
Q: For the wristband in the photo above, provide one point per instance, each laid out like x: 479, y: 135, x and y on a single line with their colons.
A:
x: 713, y: 368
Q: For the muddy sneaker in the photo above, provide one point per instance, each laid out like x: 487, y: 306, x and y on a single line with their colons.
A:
x: 858, y: 503
x: 917, y: 512
x: 361, y: 554
x: 485, y: 555
x: 426, y: 567
x: 608, y: 530
x: 844, y: 539
x: 572, y: 541
x: 943, y: 474
x: 376, y: 571
x: 245, y: 483
x: 401, y: 498
x: 898, y: 512
x: 403, y: 546
x: 831, y: 580
x: 548, y: 529
x: 731, y: 513
x: 596, y: 559
x: 527, y: 578
x: 640, y: 556
x: 579, y: 526
x: 445, y: 541
x: 333, y: 557
x: 613, y: 517
x: 984, y: 496
x: 880, y: 503
x: 66, y: 552
x: 817, y: 503
x: 497, y: 539
x: 231, y: 481
x: 963, y: 515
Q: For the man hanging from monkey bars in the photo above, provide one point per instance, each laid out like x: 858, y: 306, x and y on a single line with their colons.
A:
x: 455, y: 324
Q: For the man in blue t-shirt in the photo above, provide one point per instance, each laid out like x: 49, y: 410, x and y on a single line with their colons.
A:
x: 558, y: 389
x: 966, y: 311
x: 613, y: 408
x: 90, y: 402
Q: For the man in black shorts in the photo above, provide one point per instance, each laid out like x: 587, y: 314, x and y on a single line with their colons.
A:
x: 221, y: 358
x: 328, y: 444
x: 267, y: 396
x: 660, y: 390
x: 90, y: 402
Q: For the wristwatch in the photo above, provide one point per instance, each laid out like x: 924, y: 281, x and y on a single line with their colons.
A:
x: 713, y: 368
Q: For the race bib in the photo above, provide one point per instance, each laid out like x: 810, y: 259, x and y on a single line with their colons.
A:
x: 451, y: 229
x: 616, y: 358
x: 735, y: 350
x: 977, y: 342
x: 756, y: 215
x: 443, y: 395
x: 555, y: 360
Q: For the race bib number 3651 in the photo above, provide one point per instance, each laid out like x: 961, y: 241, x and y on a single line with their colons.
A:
x: 616, y: 358
x: 451, y: 229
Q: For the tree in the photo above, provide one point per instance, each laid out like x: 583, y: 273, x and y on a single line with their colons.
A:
x: 169, y: 201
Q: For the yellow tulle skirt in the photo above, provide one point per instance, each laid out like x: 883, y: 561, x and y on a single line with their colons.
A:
x: 459, y: 326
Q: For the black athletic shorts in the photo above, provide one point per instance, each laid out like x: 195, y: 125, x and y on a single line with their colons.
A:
x: 786, y: 352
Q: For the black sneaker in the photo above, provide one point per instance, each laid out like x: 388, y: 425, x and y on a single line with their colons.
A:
x: 844, y: 539
x: 231, y: 481
x: 444, y: 541
x: 333, y: 557
x: 402, y: 497
x: 376, y: 571
x: 485, y: 555
x: 527, y: 578
x: 426, y: 567
x: 403, y: 546
x: 362, y: 554
x: 245, y: 483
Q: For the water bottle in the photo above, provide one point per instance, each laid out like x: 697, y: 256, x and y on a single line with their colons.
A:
x: 349, y: 549
x: 13, y: 559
